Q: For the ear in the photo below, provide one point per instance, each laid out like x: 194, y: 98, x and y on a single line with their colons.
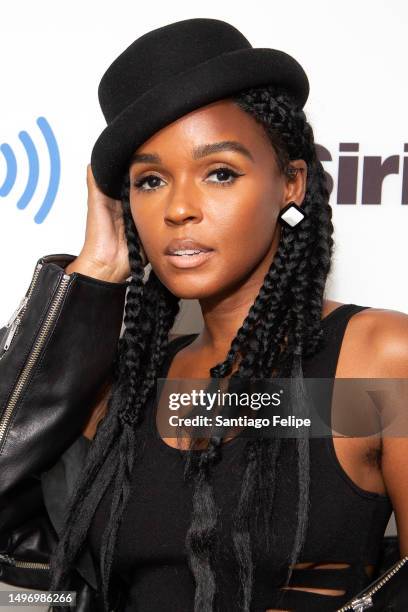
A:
x: 295, y: 188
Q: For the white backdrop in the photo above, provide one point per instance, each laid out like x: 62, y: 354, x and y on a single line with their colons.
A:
x: 353, y: 52
x: 54, y: 54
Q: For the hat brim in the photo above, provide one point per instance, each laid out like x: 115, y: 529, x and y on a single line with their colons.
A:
x: 215, y: 79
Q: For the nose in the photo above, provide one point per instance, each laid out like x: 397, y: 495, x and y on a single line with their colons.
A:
x: 183, y: 205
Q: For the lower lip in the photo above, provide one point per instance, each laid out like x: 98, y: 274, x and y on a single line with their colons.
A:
x: 189, y: 261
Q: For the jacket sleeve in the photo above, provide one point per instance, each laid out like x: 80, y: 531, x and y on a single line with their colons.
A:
x: 30, y: 525
x: 56, y: 352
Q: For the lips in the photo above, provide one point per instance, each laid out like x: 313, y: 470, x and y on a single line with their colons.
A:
x: 186, y: 246
x: 190, y: 259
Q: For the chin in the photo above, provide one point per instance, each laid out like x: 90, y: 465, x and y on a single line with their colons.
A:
x: 193, y: 289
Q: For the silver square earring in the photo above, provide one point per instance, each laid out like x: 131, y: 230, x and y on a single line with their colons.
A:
x: 291, y: 215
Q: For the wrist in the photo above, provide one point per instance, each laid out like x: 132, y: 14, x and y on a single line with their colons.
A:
x: 90, y: 268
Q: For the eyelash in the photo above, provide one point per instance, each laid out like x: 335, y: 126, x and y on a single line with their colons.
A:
x: 140, y: 182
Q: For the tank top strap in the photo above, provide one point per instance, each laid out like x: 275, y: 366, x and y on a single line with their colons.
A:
x: 175, y: 345
x: 180, y: 341
x: 321, y: 365
x: 334, y: 325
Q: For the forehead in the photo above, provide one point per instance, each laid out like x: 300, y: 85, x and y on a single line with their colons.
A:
x: 200, y: 131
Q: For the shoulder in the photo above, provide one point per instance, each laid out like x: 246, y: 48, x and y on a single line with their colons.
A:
x: 380, y: 337
x: 386, y: 343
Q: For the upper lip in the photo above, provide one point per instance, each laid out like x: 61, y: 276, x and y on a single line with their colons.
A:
x: 181, y: 244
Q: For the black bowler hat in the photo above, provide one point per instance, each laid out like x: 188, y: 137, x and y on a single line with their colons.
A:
x: 172, y: 70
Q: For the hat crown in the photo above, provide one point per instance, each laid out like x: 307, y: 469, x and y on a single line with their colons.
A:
x: 161, y: 54
x: 170, y: 72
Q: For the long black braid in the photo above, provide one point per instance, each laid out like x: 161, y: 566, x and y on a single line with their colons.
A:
x: 288, y: 308
x: 282, y: 327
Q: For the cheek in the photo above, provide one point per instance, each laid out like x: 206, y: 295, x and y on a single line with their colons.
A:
x: 245, y: 229
x: 240, y: 227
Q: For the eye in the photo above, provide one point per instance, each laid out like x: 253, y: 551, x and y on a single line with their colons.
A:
x: 151, y: 180
x: 224, y: 173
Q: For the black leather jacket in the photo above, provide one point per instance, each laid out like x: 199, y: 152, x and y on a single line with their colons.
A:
x: 55, y: 355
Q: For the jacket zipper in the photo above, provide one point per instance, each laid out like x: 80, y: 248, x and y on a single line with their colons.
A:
x: 23, y: 564
x: 34, y: 354
x: 365, y: 601
x: 16, y: 317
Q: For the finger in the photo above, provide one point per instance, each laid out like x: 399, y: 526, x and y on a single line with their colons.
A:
x: 93, y: 186
x: 89, y: 176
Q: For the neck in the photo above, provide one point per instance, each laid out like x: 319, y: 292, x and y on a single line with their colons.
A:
x: 225, y: 313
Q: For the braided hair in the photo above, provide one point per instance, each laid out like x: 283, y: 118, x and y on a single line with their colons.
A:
x: 282, y: 327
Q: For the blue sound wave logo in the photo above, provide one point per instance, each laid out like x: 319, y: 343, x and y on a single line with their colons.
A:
x: 34, y: 170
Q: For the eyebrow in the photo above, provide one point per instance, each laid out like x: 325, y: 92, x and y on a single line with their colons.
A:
x: 197, y: 153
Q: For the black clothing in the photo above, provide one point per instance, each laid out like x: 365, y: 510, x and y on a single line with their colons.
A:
x: 346, y: 523
x: 52, y: 365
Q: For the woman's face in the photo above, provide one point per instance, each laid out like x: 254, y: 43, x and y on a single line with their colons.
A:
x: 227, y: 197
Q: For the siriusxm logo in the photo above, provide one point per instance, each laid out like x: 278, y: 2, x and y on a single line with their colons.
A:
x: 374, y: 170
x: 349, y: 165
x: 33, y: 170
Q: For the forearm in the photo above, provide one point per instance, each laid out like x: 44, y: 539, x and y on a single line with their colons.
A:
x: 60, y: 353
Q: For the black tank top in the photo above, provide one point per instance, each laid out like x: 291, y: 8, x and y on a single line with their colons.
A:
x: 346, y: 522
